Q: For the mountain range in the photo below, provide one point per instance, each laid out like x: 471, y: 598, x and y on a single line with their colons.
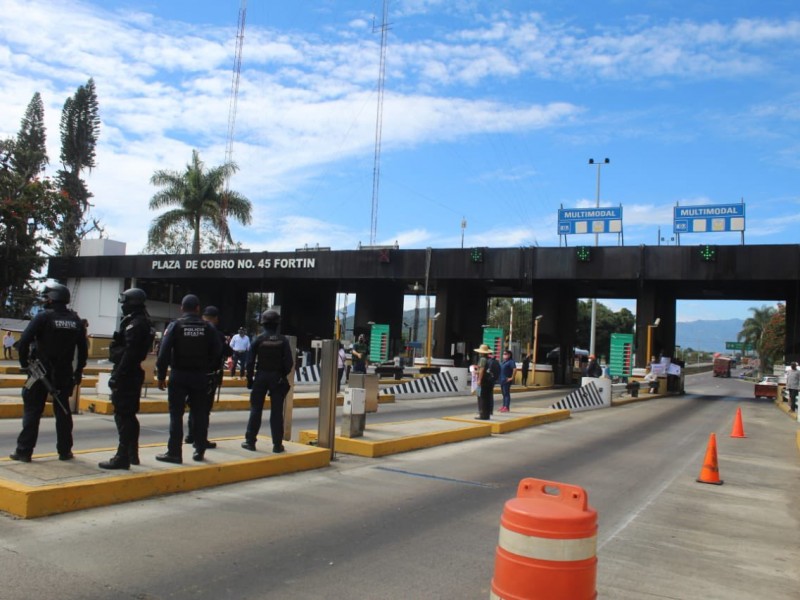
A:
x: 709, y: 336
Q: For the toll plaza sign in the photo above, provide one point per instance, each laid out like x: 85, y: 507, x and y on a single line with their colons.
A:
x: 590, y: 220
x: 229, y: 264
x: 710, y: 218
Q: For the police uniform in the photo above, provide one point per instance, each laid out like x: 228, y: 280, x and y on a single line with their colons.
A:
x: 55, y: 334
x: 129, y: 347
x: 227, y: 351
x: 190, y: 349
x: 268, y: 367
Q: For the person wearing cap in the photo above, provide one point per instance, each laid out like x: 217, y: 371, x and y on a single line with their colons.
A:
x: 52, y: 337
x: 269, y: 365
x: 211, y: 315
x: 485, y: 384
x: 191, y: 349
x: 129, y: 347
x: 240, y: 344
x: 793, y: 385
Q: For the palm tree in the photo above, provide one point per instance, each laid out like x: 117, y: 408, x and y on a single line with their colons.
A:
x: 752, y: 333
x: 199, y: 196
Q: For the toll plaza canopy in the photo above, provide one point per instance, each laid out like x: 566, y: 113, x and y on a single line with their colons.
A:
x: 305, y: 284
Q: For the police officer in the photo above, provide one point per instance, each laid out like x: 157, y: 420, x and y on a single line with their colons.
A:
x: 271, y: 360
x: 191, y: 349
x: 128, y: 349
x: 211, y: 315
x: 56, y: 333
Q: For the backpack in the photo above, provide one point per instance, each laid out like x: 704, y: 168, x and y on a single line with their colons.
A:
x: 492, y: 372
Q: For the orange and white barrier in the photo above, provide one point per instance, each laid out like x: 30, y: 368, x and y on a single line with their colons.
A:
x: 548, y: 544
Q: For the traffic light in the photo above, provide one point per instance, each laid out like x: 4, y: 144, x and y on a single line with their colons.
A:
x: 708, y: 253
x: 584, y: 253
x: 476, y: 255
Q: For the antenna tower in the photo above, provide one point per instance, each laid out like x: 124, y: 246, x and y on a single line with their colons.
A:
x: 234, y: 100
x: 376, y: 169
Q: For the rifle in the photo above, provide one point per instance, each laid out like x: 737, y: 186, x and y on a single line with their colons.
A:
x: 37, y: 372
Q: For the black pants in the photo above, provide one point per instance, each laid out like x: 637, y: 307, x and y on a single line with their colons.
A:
x: 238, y: 358
x: 263, y: 384
x: 126, y: 399
x: 212, y: 394
x: 793, y: 400
x: 486, y: 401
x: 33, y: 401
x: 187, y: 387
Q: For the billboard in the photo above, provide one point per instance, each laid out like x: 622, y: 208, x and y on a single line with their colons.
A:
x: 710, y: 218
x: 607, y: 219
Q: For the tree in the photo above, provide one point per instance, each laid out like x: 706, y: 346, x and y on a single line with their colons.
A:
x: 200, y: 197
x: 774, y: 339
x: 29, y: 210
x: 606, y: 323
x: 753, y: 334
x: 80, y: 126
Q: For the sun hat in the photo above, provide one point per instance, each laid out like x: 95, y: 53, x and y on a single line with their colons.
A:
x: 484, y: 349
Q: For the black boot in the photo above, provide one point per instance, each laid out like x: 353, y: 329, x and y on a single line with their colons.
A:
x: 115, y: 462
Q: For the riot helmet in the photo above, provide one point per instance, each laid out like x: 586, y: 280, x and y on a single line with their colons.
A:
x: 55, y: 293
x: 270, y: 318
x: 132, y: 299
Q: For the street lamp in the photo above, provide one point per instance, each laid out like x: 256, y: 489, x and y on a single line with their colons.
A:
x: 594, y: 300
x: 429, y: 340
x: 650, y: 328
x: 535, y: 344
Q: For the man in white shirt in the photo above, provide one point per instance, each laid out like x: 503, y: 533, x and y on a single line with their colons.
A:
x: 240, y: 344
x: 793, y: 385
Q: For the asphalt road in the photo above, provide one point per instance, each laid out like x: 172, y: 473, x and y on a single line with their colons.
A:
x: 424, y: 525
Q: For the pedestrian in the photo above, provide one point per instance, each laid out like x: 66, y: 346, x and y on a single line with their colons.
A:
x: 129, y: 347
x: 341, y: 360
x: 793, y: 385
x: 485, y: 384
x: 360, y: 352
x: 190, y: 349
x: 526, y: 366
x: 240, y: 344
x: 8, y: 345
x: 268, y: 367
x: 55, y: 333
x: 507, y: 368
x: 211, y: 315
x: 593, y: 369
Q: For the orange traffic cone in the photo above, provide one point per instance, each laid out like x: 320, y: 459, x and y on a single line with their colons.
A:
x: 710, y: 471
x: 738, y: 428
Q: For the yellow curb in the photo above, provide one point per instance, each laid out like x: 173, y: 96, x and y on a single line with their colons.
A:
x: 642, y: 397
x: 370, y: 446
x: 519, y: 419
x: 17, y: 381
x: 15, y: 410
x: 30, y: 501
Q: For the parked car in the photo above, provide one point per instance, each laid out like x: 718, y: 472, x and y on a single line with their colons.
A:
x: 767, y: 388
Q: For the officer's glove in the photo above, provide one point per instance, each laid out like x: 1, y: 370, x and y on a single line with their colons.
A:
x: 112, y: 383
x: 162, y: 384
x: 249, y: 383
x: 78, y: 377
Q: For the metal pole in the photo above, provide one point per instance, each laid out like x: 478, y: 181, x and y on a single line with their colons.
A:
x: 288, y: 404
x: 535, y: 345
x: 596, y: 242
x: 326, y: 434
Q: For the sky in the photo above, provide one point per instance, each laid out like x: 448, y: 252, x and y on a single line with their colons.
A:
x: 491, y: 112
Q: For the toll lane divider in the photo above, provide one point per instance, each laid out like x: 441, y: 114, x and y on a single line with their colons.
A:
x: 439, y: 384
x: 48, y: 486
x: 587, y: 397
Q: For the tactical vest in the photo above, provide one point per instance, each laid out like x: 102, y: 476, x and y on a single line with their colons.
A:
x: 190, y: 346
x: 59, y: 338
x: 270, y: 354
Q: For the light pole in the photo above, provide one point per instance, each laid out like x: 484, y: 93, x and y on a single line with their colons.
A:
x: 535, y: 344
x: 594, y: 300
x: 429, y: 340
x: 650, y: 328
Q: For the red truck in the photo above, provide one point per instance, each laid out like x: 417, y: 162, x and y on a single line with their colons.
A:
x: 722, y: 366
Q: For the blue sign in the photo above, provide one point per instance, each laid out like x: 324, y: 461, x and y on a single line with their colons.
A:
x: 710, y: 218
x: 607, y: 219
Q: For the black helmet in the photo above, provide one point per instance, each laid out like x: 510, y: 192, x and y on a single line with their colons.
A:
x: 132, y: 301
x: 133, y: 297
x: 56, y: 292
x: 270, y: 317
